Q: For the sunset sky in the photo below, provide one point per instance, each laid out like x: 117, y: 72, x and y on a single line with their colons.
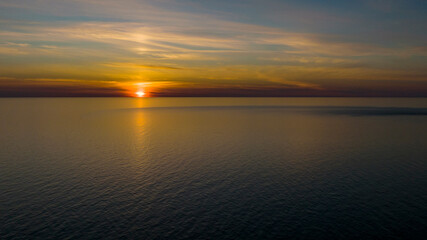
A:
x: 213, y: 48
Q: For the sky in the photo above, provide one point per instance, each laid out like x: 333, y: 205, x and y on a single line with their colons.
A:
x: 174, y: 48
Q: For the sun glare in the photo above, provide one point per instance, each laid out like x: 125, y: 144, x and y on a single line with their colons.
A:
x: 140, y: 94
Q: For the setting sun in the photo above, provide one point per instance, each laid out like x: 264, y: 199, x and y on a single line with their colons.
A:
x: 140, y: 94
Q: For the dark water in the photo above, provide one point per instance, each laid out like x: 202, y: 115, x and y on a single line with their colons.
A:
x: 189, y: 168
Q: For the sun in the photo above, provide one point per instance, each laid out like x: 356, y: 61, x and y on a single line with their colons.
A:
x: 140, y: 93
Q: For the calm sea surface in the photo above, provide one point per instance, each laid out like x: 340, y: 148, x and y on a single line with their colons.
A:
x: 213, y: 168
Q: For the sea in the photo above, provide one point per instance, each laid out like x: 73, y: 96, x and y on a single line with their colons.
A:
x: 213, y: 168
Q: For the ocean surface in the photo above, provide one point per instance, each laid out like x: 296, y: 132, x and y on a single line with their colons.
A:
x: 213, y: 168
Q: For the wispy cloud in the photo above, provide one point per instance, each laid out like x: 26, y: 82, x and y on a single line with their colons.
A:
x: 164, y: 41
x: 134, y: 65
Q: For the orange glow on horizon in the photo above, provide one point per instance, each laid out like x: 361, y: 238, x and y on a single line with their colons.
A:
x: 140, y: 93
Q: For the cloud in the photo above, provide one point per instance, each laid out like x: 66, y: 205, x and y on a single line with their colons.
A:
x: 60, y: 88
x: 134, y: 65
x: 164, y: 41
x: 382, y: 5
x: 174, y: 42
x: 11, y: 48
